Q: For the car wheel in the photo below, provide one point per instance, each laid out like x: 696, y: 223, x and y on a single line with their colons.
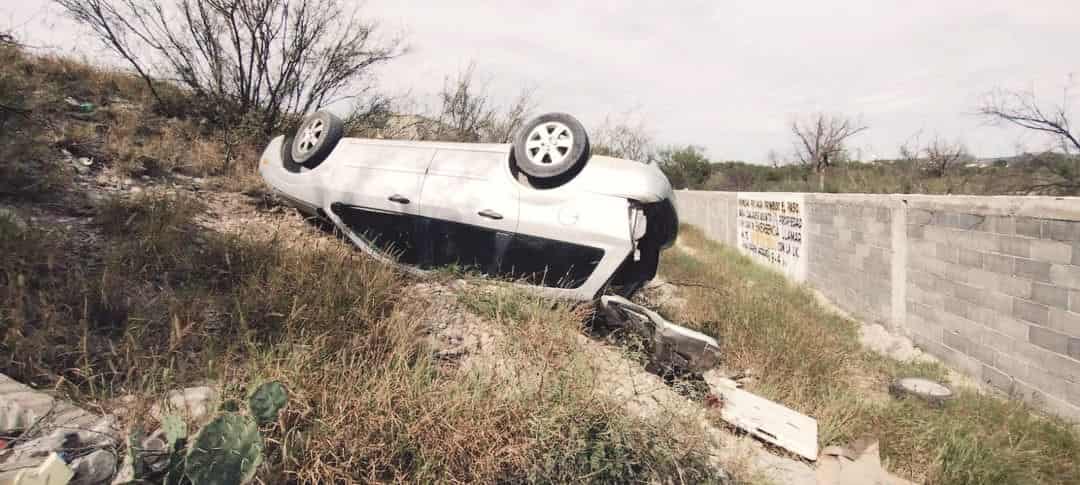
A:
x: 316, y: 138
x: 551, y: 145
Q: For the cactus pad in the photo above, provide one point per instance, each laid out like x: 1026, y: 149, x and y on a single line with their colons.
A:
x: 227, y: 450
x: 267, y: 400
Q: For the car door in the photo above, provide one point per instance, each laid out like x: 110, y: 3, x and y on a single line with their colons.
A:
x: 378, y: 194
x: 468, y: 209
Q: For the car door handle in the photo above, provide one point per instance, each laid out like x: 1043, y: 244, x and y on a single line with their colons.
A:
x: 400, y: 199
x: 490, y: 214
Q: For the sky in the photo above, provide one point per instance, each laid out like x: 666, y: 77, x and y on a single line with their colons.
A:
x: 729, y: 75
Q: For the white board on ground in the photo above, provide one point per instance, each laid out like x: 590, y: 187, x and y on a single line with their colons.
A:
x: 767, y: 420
x: 770, y: 230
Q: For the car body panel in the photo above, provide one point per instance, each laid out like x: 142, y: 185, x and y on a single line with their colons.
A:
x: 581, y: 226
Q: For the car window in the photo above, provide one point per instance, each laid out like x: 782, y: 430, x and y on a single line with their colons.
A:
x: 393, y: 234
x: 549, y: 262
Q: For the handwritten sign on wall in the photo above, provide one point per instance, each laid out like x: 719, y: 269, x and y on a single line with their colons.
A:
x: 770, y: 230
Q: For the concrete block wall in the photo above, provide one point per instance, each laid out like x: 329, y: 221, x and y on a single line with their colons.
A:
x: 991, y: 285
x: 850, y: 253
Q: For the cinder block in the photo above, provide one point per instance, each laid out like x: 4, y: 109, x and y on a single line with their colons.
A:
x: 1029, y: 226
x: 999, y: 263
x: 937, y: 234
x: 919, y: 217
x: 1030, y: 311
x: 997, y: 341
x: 982, y: 241
x: 1048, y: 383
x: 1049, y: 340
x: 971, y: 258
x: 1065, y: 275
x: 1053, y: 362
x: 1000, y: 225
x: 981, y: 352
x: 1052, y: 251
x: 1033, y: 270
x: 915, y: 231
x: 1050, y: 295
x: 997, y: 302
x: 981, y: 277
x: 957, y: 342
x: 1015, y: 246
x: 1045, y: 401
x: 969, y: 293
x: 969, y: 222
x: 957, y: 307
x: 1074, y: 348
x: 996, y: 378
x: 1012, y: 365
x: 1065, y: 322
x: 1013, y: 286
x: 1074, y: 301
x: 1061, y: 230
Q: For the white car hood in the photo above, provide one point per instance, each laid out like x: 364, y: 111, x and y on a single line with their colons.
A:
x: 623, y: 178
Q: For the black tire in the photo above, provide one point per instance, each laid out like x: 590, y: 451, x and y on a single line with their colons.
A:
x: 539, y: 157
x: 316, y: 137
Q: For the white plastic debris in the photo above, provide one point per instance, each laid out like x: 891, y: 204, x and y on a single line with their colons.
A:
x: 673, y: 345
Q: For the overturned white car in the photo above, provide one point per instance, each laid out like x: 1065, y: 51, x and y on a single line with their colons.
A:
x: 541, y: 211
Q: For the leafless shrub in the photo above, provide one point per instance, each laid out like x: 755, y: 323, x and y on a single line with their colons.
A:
x: 944, y: 156
x: 1023, y: 109
x: 274, y: 58
x: 468, y: 112
x: 624, y: 137
x: 820, y: 140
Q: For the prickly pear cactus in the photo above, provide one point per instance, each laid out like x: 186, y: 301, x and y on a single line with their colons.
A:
x: 134, y: 447
x: 266, y: 401
x: 175, y: 430
x: 227, y: 450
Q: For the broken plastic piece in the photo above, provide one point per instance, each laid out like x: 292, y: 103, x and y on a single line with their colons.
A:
x: 53, y: 471
x: 767, y: 420
x: 673, y: 345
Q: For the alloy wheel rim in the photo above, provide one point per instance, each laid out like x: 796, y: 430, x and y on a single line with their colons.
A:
x: 310, y: 136
x: 549, y: 144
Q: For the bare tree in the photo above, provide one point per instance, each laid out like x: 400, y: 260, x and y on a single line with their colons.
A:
x: 464, y: 110
x: 271, y: 57
x: 820, y: 141
x: 1023, y: 109
x: 624, y: 137
x: 506, y: 123
x: 468, y: 111
x: 943, y: 156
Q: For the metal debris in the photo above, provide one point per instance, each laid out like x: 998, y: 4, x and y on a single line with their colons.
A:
x: 672, y: 345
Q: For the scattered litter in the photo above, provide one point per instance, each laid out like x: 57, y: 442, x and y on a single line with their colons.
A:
x: 672, y: 345
x: 765, y: 419
x: 97, y: 467
x: 82, y: 106
x: 49, y: 426
x: 53, y: 471
x: 193, y: 402
x: 856, y: 464
x: 932, y: 392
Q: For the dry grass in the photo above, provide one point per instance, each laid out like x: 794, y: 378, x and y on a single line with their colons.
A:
x: 127, y: 128
x: 809, y: 358
x: 163, y: 303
